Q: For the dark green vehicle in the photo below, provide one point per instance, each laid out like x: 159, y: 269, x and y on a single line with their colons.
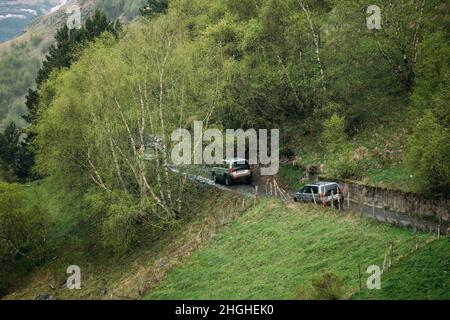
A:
x: 232, y: 171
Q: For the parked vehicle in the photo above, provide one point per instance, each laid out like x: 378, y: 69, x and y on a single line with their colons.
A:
x: 323, y: 192
x: 232, y: 171
x: 154, y: 147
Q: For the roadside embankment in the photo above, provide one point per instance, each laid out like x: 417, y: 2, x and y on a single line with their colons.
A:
x: 415, y: 206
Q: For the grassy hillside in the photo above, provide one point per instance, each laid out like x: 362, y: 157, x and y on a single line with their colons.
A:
x: 425, y: 275
x: 276, y: 252
x: 268, y: 250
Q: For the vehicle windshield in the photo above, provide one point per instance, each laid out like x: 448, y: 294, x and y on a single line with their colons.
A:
x: 310, y: 189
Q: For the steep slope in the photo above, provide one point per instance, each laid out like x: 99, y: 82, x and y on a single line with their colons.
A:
x: 425, y: 275
x: 276, y: 251
x: 264, y: 250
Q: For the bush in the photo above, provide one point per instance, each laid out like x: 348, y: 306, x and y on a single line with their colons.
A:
x: 428, y: 154
x: 341, y: 160
x: 333, y: 135
x: 23, y: 234
x: 327, y: 287
x: 347, y: 163
x: 114, y: 224
x: 345, y: 168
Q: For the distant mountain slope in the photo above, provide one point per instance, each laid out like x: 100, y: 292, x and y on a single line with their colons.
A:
x: 16, y: 15
x: 20, y: 57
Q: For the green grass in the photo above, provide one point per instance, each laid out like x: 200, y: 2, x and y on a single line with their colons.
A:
x: 425, y: 275
x: 274, y: 252
x: 396, y: 177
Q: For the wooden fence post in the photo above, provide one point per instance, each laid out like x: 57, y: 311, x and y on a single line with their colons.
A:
x: 332, y: 199
x: 348, y: 200
x: 373, y: 209
x: 361, y: 205
x: 339, y: 199
x: 360, y: 277
x: 391, y: 253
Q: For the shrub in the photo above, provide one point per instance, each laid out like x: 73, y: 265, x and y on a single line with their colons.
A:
x: 333, y: 135
x: 23, y: 234
x: 428, y: 154
x: 346, y: 163
x: 341, y: 160
x: 327, y: 287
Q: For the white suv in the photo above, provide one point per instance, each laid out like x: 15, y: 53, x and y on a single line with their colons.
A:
x: 322, y: 192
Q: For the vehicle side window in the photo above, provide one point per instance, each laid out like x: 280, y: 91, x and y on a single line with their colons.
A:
x: 332, y: 190
x: 310, y: 189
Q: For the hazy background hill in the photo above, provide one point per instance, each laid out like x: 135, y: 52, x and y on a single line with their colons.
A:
x: 29, y: 38
x: 15, y: 16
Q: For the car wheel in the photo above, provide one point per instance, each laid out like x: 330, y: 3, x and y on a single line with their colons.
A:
x: 249, y: 180
x: 214, y: 177
x: 228, y: 181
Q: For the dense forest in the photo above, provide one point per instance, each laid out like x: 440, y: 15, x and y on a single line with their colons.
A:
x: 357, y: 102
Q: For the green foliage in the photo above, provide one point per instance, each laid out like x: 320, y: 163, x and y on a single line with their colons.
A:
x: 428, y: 154
x: 9, y: 144
x: 433, y: 73
x: 69, y: 45
x: 116, y: 97
x: 431, y: 93
x: 334, y: 135
x: 343, y: 167
x: 23, y: 234
x: 12, y: 155
x: 15, y: 158
x: 428, y: 150
x: 120, y: 223
x: 341, y: 161
x: 291, y: 176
